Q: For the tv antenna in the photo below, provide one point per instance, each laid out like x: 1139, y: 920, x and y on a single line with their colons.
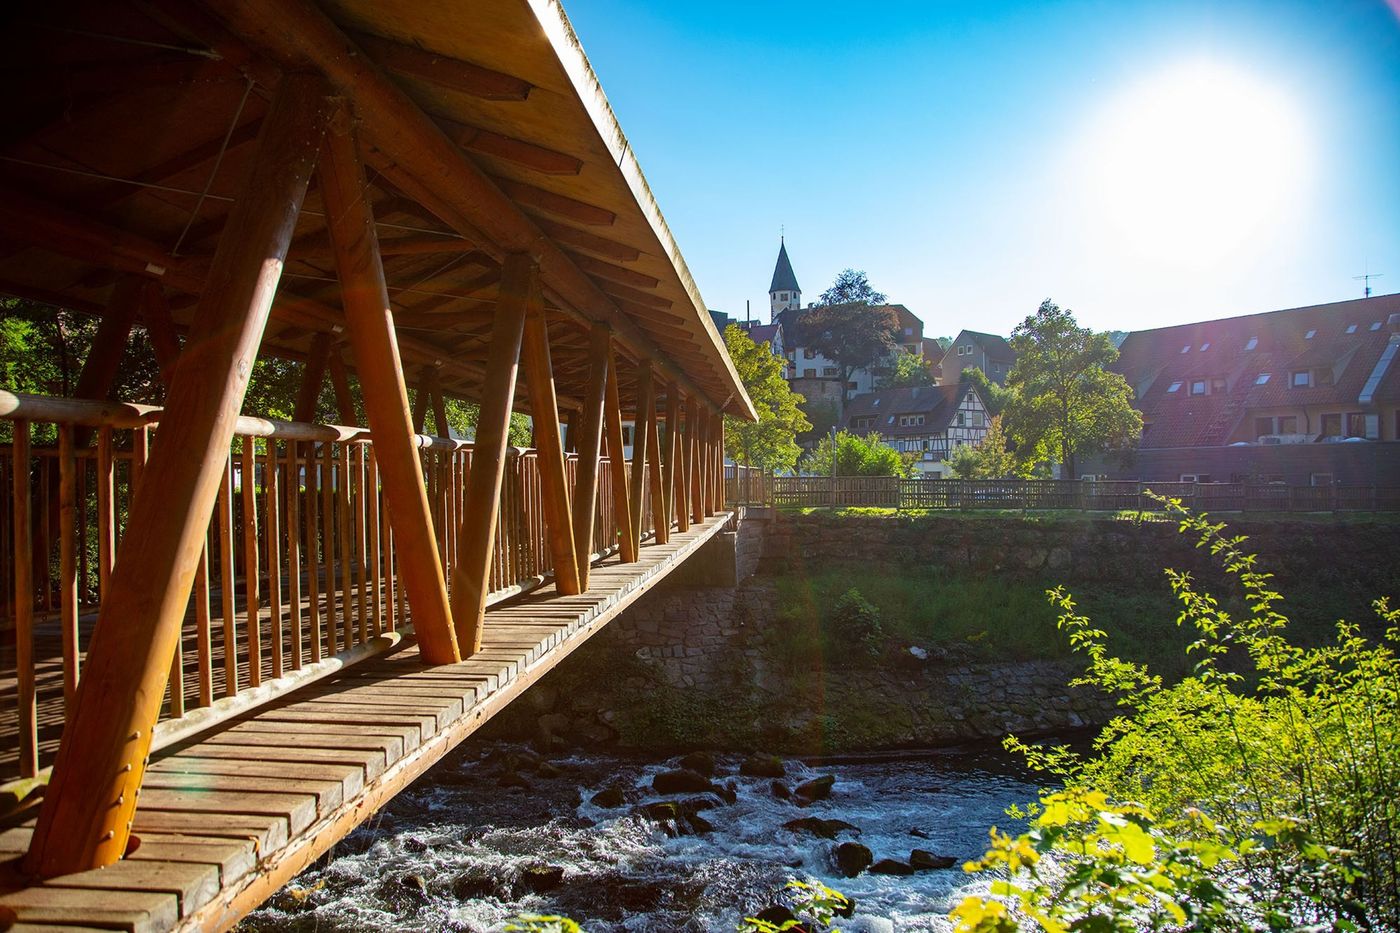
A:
x: 1367, y: 279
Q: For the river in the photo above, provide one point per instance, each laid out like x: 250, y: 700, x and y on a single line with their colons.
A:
x: 458, y: 852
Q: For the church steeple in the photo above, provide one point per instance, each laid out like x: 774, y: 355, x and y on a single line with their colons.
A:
x: 784, y: 293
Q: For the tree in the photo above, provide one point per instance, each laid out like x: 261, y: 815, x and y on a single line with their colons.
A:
x: 854, y: 336
x: 991, y: 459
x: 909, y: 369
x: 856, y: 456
x: 851, y: 288
x: 771, y: 441
x: 1065, y: 402
x: 995, y: 397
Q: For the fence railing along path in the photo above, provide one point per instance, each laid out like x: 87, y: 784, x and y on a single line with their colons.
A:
x: 299, y: 574
x: 748, y: 486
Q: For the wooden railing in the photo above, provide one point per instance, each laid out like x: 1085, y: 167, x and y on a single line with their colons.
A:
x: 299, y: 572
x: 747, y: 486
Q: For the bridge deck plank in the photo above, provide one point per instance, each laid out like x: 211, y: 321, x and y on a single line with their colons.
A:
x: 227, y: 818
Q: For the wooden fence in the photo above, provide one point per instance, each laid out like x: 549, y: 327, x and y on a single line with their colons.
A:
x: 299, y: 568
x: 747, y: 486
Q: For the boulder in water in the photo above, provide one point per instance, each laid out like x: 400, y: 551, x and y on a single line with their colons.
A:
x: 851, y: 858
x: 699, y: 824
x: 609, y: 798
x: 727, y: 792
x: 700, y: 762
x: 780, y: 790
x: 924, y: 860
x: 547, y: 769
x: 814, y: 790
x: 919, y: 834
x: 539, y: 879
x: 683, y: 781
x: 769, y: 766
x: 512, y: 779
x: 889, y: 866
x: 826, y: 829
x: 777, y: 915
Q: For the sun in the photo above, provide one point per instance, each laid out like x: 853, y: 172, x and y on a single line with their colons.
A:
x: 1195, y: 163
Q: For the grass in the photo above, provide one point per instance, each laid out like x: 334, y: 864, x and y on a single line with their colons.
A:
x: 1124, y: 515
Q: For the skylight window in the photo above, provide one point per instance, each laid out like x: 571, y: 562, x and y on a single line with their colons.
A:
x: 1375, y: 325
x: 1351, y: 328
x: 1261, y: 379
x: 1174, y: 387
x: 1186, y: 349
x: 876, y: 403
x: 1253, y: 342
x: 1205, y: 346
x: 1310, y: 335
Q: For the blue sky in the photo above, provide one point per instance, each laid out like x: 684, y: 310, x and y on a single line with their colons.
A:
x: 1144, y: 163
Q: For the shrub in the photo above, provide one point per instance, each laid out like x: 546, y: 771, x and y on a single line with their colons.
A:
x: 855, y: 625
x: 1263, y: 794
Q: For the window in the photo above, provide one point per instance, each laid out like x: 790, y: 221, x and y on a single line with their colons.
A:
x: 978, y: 419
x: 1322, y: 479
x: 830, y: 371
x: 1261, y: 379
x: 1310, y: 335
x: 1288, y: 424
x: 1253, y: 342
x: 1198, y: 387
x: 1302, y: 379
x: 1189, y: 478
x: 851, y: 385
x: 809, y: 374
x: 1174, y: 386
x: 1351, y: 328
x: 1204, y: 347
x: 962, y: 419
x: 1332, y: 425
x: 1263, y: 426
x: 1186, y: 349
x: 1360, y: 424
x: 909, y: 420
x: 961, y: 350
x: 908, y: 331
x: 1375, y: 325
x: 807, y: 353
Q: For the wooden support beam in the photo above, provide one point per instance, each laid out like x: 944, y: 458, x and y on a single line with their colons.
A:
x: 443, y: 71
x: 673, y: 449
x: 313, y: 374
x: 160, y: 328
x: 340, y: 383
x: 422, y: 398
x: 681, y: 491
x: 530, y: 155
x: 589, y: 437
x: 477, y: 534
x: 716, y: 463
x: 660, y: 523
x: 375, y: 346
x: 641, y: 424
x: 554, y: 485
x: 695, y: 440
x: 85, y: 820
x: 557, y: 204
x: 617, y: 464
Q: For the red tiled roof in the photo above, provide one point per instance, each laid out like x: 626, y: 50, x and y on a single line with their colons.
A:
x: 937, y: 404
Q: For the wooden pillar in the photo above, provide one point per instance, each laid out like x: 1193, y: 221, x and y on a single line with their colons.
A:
x: 695, y: 429
x: 477, y: 535
x: 717, y: 432
x: 660, y: 521
x: 680, y: 491
x: 340, y: 384
x: 549, y: 444
x: 85, y: 819
x: 160, y: 328
x: 589, y: 437
x: 641, y: 424
x: 370, y: 327
x: 312, y: 376
x: 108, y: 347
x: 617, y: 464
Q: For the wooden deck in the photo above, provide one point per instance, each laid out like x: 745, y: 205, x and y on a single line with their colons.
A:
x: 229, y: 817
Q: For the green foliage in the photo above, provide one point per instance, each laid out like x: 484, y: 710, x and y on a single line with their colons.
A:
x: 1273, y: 766
x: 909, y: 369
x: 855, y: 623
x: 994, y: 396
x: 856, y: 456
x: 1065, y: 402
x: 851, y: 288
x: 854, y: 335
x: 542, y: 923
x: 770, y: 442
x: 815, y: 905
x: 992, y: 459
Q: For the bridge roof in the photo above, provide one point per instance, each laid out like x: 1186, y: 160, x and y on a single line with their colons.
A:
x: 485, y: 130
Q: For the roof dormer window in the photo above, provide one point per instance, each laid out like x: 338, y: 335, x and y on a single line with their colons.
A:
x: 1253, y: 342
x: 1302, y: 379
x: 1310, y: 335
x: 1351, y: 328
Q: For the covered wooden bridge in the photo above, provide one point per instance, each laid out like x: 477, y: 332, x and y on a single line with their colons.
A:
x: 227, y: 640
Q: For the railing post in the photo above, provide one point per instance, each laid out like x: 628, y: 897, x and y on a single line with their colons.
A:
x: 660, y: 517
x: 617, y: 464
x: 85, y: 820
x: 680, y: 445
x: 472, y: 574
x: 694, y: 429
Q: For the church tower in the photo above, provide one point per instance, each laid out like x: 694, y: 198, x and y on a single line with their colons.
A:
x: 784, y: 294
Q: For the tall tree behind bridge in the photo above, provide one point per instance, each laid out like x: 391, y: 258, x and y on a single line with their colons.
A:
x: 851, y: 288
x: 771, y: 441
x: 1065, y: 403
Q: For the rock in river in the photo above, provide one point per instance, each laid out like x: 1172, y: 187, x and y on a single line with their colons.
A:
x: 851, y: 858
x: 815, y: 789
x: 826, y: 829
x: 683, y: 781
x: 769, y: 766
x: 889, y: 866
x: 924, y: 860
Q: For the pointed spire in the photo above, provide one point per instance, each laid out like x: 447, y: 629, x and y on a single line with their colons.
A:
x: 784, y: 280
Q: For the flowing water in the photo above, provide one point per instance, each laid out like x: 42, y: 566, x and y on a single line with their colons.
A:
x: 458, y: 852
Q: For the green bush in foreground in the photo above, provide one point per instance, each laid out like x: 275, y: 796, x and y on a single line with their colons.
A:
x: 1266, y: 799
x: 856, y: 624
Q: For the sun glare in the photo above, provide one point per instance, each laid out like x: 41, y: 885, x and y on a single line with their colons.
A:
x: 1195, y: 163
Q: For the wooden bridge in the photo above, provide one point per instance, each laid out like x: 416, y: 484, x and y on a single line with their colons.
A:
x: 228, y: 639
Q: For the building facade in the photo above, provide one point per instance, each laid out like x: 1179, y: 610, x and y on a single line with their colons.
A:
x: 987, y: 352
x: 929, y: 422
